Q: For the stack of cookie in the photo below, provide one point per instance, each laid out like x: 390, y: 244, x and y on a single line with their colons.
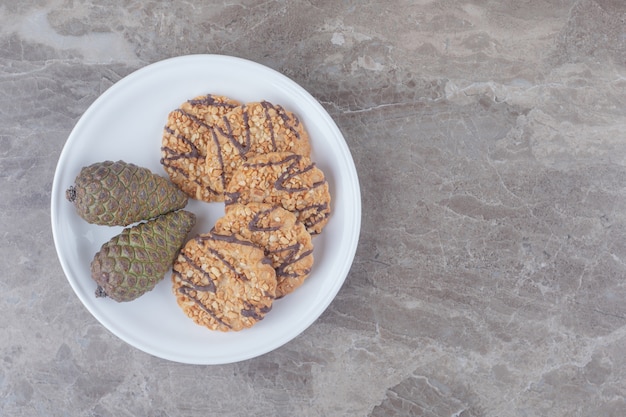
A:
x: 255, y: 157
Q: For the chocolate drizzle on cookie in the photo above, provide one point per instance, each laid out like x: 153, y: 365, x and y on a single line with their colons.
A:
x: 294, y: 256
x: 211, y: 100
x: 206, y: 275
x: 254, y: 312
x: 243, y: 149
x: 293, y: 171
x: 288, y: 255
x: 255, y: 224
x: 285, y: 241
x: 188, y: 292
x: 292, y: 188
x: 290, y: 122
x: 320, y: 214
x: 225, y: 238
x: 174, y: 160
x: 223, y: 282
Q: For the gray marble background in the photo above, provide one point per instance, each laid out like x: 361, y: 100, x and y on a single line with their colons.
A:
x: 490, y: 141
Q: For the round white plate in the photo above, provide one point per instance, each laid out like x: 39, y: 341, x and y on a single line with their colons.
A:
x: 126, y: 123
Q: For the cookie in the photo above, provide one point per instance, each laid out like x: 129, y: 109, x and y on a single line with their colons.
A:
x: 284, y: 239
x: 210, y: 108
x: 283, y: 179
x: 187, y: 132
x: 251, y: 129
x: 209, y: 137
x: 223, y: 282
x: 262, y: 127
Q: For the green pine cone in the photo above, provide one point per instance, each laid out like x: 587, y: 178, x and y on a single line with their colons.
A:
x: 120, y: 193
x: 133, y: 262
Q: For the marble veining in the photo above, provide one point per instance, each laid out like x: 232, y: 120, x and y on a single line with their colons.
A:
x: 490, y: 141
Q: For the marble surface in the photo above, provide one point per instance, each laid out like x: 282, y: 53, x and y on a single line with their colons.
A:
x: 490, y: 141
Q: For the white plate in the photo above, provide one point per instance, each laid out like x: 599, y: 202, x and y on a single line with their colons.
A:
x: 126, y: 123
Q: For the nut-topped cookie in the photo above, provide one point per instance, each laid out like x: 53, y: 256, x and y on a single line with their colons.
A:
x: 208, y: 138
x: 223, y: 282
x: 186, y: 135
x: 263, y: 127
x: 283, y: 179
x: 254, y: 128
x: 284, y: 239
